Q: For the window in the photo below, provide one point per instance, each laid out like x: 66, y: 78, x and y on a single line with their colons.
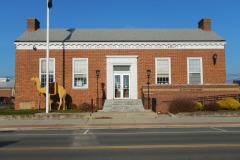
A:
x: 163, y: 71
x: 80, y: 73
x: 121, y: 68
x: 43, y: 71
x: 195, y: 71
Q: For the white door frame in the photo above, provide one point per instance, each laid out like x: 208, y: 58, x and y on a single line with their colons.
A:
x: 130, y: 60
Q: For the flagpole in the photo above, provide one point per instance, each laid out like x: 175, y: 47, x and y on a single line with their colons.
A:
x: 47, y: 61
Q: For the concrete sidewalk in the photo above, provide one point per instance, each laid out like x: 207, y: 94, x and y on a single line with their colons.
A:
x: 113, y: 120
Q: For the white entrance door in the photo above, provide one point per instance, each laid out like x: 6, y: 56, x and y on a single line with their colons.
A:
x: 122, y: 65
x: 121, y: 86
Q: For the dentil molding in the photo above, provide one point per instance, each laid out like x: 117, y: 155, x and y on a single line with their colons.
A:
x: 119, y: 45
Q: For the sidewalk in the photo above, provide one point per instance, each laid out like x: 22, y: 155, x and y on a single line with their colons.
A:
x: 100, y: 120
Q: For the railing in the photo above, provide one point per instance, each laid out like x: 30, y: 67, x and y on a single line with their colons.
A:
x: 211, y: 99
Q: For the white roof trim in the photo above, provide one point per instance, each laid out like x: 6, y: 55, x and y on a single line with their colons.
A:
x: 122, y: 56
x: 120, y: 45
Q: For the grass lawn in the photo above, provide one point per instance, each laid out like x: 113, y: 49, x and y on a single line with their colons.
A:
x: 17, y: 112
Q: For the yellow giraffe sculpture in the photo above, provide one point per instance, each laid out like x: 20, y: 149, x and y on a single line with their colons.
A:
x: 61, y: 92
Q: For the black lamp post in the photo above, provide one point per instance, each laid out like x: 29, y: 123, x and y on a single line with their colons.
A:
x: 148, y: 75
x: 97, y: 74
x: 215, y: 58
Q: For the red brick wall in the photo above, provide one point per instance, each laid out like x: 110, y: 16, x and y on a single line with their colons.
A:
x: 205, y: 24
x: 164, y: 94
x: 5, y: 92
x: 32, y: 24
x: 27, y: 66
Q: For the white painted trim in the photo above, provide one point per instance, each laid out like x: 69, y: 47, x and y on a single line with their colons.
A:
x: 40, y: 67
x: 169, y: 66
x: 123, y: 56
x: 73, y: 62
x: 119, y: 45
x: 201, y: 68
x: 130, y: 60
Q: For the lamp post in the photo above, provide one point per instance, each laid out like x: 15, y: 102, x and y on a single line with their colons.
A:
x: 97, y: 74
x: 148, y: 75
x: 49, y: 5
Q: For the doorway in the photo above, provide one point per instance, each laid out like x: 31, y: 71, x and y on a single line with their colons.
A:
x: 122, y: 75
x: 121, y: 86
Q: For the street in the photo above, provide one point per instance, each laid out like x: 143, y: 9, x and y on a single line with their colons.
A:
x: 96, y: 144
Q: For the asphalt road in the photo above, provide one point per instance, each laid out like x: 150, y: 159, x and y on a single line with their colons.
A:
x: 118, y: 144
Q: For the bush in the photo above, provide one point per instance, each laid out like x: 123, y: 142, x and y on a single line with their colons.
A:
x: 199, y: 106
x: 182, y: 105
x: 72, y: 106
x: 85, y: 107
x: 211, y: 107
x: 229, y: 104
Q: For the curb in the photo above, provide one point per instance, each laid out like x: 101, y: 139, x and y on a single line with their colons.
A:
x: 171, y: 115
x: 56, y: 121
x: 118, y: 126
x: 88, y: 115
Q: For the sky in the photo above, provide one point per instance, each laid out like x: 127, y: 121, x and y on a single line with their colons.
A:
x: 224, y: 14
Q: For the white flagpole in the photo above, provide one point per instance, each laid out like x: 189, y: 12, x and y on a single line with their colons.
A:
x: 47, y: 62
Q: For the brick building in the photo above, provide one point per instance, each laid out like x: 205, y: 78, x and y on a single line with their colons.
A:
x: 7, y: 87
x: 183, y: 62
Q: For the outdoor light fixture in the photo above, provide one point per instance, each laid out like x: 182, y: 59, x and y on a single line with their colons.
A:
x: 148, y: 75
x: 215, y: 58
x: 97, y: 74
x: 34, y: 48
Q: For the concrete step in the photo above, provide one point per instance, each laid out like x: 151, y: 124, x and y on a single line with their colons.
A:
x: 123, y: 105
x: 124, y: 115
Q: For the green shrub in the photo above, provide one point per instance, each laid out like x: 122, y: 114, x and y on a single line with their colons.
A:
x: 199, y: 105
x: 229, y: 104
x: 76, y: 107
x: 19, y: 112
x: 72, y: 106
x: 211, y: 107
x: 85, y: 107
x: 182, y: 105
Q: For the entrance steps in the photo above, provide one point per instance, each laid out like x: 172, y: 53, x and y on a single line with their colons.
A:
x: 123, y: 105
x: 124, y: 115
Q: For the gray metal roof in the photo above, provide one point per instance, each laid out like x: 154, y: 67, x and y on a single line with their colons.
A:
x: 119, y: 35
x: 9, y: 84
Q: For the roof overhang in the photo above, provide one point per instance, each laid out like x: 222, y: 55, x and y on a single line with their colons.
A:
x: 121, y: 45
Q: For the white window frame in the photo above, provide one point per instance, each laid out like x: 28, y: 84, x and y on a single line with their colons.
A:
x: 169, y: 60
x: 73, y: 63
x: 201, y: 69
x: 40, y: 68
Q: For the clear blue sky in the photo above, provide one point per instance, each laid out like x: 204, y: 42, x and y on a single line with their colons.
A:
x: 225, y: 15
